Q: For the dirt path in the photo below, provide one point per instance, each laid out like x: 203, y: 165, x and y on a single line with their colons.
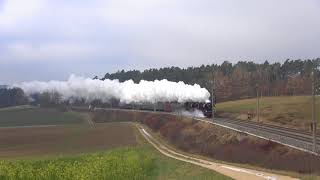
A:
x: 88, y: 117
x: 228, y: 170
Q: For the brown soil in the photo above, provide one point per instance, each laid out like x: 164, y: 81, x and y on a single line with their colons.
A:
x: 219, y: 143
x: 228, y: 170
x: 37, y: 141
x: 204, y: 139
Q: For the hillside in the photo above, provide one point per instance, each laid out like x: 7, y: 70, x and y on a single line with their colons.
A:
x: 210, y: 141
x: 292, y: 111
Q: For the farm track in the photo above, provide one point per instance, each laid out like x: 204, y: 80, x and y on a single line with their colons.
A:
x: 286, y: 136
x: 32, y: 126
x: 283, y: 131
x: 228, y: 170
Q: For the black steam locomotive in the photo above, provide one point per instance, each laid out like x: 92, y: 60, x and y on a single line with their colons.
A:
x: 205, y: 108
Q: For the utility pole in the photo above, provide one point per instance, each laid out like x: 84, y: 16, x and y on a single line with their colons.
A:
x: 314, y: 123
x: 155, y: 106
x: 212, y: 95
x: 258, y: 103
x: 134, y: 115
x: 212, y: 99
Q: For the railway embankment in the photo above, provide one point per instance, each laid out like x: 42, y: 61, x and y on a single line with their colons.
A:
x: 297, y: 139
x: 196, y: 137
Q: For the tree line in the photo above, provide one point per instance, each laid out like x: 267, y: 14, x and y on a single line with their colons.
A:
x: 16, y: 96
x: 230, y: 81
x: 236, y: 81
x: 12, y: 97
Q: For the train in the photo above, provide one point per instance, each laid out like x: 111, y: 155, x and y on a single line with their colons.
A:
x: 204, y: 107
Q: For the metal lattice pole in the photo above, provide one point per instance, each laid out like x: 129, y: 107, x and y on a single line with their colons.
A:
x: 213, y: 94
x: 314, y: 123
x: 212, y: 98
x: 258, y: 104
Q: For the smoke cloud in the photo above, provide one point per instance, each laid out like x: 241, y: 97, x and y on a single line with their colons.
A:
x: 127, y: 92
x: 194, y: 113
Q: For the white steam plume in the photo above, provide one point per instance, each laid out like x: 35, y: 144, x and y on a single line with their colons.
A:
x: 127, y: 92
x: 194, y: 113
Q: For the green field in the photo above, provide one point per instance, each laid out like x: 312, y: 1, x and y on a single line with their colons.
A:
x: 140, y: 162
x: 137, y: 162
x: 28, y: 116
x: 82, y: 151
x: 286, y: 110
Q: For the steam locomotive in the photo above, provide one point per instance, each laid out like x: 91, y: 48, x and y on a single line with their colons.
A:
x: 204, y: 107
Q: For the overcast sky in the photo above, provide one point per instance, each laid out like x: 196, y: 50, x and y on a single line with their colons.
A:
x: 51, y: 39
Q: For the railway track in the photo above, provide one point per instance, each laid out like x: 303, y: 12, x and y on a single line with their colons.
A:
x: 275, y: 127
x: 226, y: 169
x: 291, y: 133
x: 298, y: 139
x: 290, y: 137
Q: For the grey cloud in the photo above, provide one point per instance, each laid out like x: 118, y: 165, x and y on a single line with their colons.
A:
x: 154, y: 33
